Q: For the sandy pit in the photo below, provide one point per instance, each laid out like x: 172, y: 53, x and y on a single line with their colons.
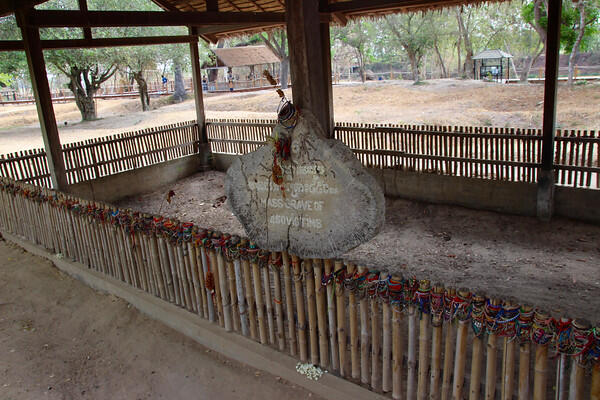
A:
x: 550, y: 265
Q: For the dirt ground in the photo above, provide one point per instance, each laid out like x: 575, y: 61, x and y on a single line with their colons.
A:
x: 554, y: 266
x: 59, y: 339
x: 439, y: 102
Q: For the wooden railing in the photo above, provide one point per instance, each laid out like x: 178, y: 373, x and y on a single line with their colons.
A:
x: 95, y: 158
x: 392, y: 334
x: 480, y: 152
x: 507, y: 154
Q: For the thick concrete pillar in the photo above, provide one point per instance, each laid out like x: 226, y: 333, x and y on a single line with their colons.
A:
x: 310, y: 60
x: 197, y: 83
x: 43, y: 101
x: 546, y: 178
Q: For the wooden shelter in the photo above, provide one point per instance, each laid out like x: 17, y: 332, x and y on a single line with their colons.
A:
x: 307, y: 23
x: 492, y: 64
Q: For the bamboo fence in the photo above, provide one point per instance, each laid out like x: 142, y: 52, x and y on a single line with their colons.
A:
x: 508, y: 154
x: 95, y: 158
x: 397, y: 335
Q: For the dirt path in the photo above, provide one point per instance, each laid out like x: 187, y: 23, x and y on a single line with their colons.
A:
x: 555, y: 266
x: 438, y: 102
x: 59, y: 339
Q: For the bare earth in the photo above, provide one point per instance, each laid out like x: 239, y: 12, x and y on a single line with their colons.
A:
x: 59, y: 339
x: 438, y: 102
x: 550, y: 265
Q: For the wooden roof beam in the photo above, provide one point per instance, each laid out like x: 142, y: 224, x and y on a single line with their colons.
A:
x: 17, y: 45
x: 361, y: 6
x: 96, y: 19
x: 10, y: 6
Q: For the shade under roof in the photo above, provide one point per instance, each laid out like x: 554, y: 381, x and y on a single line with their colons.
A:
x: 247, y: 55
x: 486, y: 54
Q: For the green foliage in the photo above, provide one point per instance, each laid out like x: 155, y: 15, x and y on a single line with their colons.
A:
x: 5, y: 79
x: 569, y: 22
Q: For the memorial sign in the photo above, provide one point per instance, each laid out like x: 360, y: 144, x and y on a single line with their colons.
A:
x: 305, y: 194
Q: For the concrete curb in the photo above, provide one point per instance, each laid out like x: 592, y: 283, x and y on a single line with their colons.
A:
x: 207, y: 334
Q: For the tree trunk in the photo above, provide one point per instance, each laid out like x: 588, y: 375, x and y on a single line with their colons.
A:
x: 528, y: 64
x: 143, y: 88
x: 84, y: 97
x: 285, y: 71
x: 459, y: 64
x: 580, y: 33
x: 414, y: 65
x: 179, y: 94
x: 86, y: 105
x: 468, y: 68
x: 440, y: 60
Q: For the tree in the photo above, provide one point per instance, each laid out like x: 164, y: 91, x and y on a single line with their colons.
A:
x: 411, y: 32
x: 464, y: 17
x: 277, y: 42
x: 358, y: 36
x: 137, y: 61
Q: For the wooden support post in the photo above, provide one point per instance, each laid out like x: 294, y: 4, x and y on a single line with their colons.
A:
x: 197, y: 83
x: 546, y: 178
x: 310, y: 61
x: 43, y: 101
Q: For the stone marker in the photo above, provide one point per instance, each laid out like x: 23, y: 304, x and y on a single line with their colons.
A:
x: 320, y: 202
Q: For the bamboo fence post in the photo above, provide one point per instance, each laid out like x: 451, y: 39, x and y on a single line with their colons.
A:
x: 449, y: 344
x: 562, y: 392
x: 312, y: 312
x: 268, y: 300
x: 477, y: 355
x: 225, y: 300
x: 397, y: 349
x: 166, y: 265
x: 595, y: 386
x: 492, y: 351
x: 289, y: 302
x: 525, y: 320
x: 375, y: 338
x: 276, y: 265
x: 341, y: 314
x: 332, y: 315
x: 200, y: 295
x: 541, y: 320
x: 208, y: 282
x: 511, y: 309
x: 321, y: 314
x: 411, y: 380
x: 437, y: 319
x: 216, y: 286
x: 460, y: 360
x: 189, y: 300
x: 386, y: 349
x: 260, y: 307
x: 424, y: 294
x: 231, y: 278
x: 577, y: 384
x: 352, y: 306
x: 249, y: 294
x: 239, y: 285
x: 301, y: 327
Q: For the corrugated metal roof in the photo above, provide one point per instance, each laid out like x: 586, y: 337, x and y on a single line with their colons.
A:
x: 247, y: 55
x: 497, y: 53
